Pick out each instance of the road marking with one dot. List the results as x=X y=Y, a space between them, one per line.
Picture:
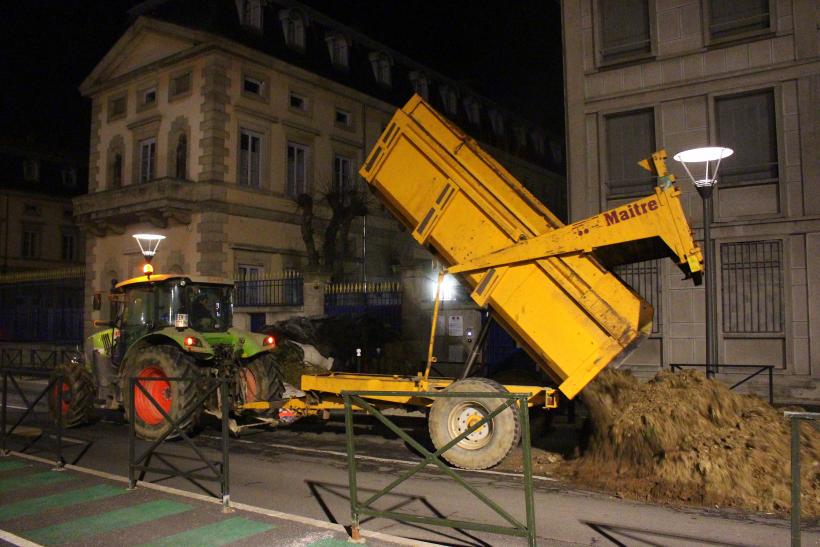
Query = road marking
x=32 y=480
x=236 y=505
x=85 y=527
x=17 y=540
x=385 y=460
x=73 y=497
x=11 y=465
x=216 y=534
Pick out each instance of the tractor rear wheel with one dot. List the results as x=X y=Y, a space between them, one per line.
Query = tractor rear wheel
x=261 y=380
x=77 y=397
x=176 y=398
x=489 y=444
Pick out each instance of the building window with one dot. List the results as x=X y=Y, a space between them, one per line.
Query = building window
x=421 y=85
x=746 y=124
x=449 y=98
x=31 y=210
x=342 y=181
x=520 y=133
x=496 y=122
x=537 y=138
x=30 y=244
x=645 y=278
x=630 y=137
x=297 y=102
x=473 y=109
x=181 y=158
x=297 y=169
x=31 y=170
x=343 y=118
x=147 y=97
x=249 y=285
x=293 y=28
x=339 y=49
x=148 y=159
x=116 y=107
x=731 y=18
x=69 y=177
x=180 y=85
x=68 y=247
x=250 y=158
x=253 y=86
x=624 y=30
x=251 y=15
x=381 y=63
x=752 y=287
x=116 y=171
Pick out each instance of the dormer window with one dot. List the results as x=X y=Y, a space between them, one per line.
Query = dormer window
x=449 y=98
x=251 y=14
x=31 y=170
x=382 y=64
x=473 y=109
x=497 y=122
x=293 y=28
x=421 y=85
x=537 y=138
x=520 y=133
x=339 y=49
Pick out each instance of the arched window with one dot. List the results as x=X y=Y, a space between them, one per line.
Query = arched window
x=293 y=28
x=181 y=156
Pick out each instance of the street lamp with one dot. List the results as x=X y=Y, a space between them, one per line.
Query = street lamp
x=710 y=158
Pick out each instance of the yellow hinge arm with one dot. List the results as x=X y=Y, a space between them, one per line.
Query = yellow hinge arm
x=659 y=215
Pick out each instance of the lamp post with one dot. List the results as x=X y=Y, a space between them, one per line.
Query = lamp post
x=710 y=158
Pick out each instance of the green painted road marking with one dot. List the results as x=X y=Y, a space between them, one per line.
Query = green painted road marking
x=35 y=479
x=213 y=535
x=37 y=505
x=105 y=522
x=329 y=542
x=11 y=465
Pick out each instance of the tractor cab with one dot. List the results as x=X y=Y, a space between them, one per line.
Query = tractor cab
x=152 y=303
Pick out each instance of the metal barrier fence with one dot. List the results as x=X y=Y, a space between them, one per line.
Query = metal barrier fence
x=795 y=418
x=219 y=470
x=381 y=300
x=54 y=380
x=284 y=291
x=759 y=369
x=358 y=508
x=37 y=359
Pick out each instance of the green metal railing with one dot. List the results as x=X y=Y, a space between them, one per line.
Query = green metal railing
x=508 y=400
x=795 y=418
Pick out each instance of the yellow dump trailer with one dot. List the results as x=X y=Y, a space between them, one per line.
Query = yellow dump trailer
x=539 y=277
x=547 y=283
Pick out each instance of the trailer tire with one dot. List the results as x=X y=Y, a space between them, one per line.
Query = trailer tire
x=175 y=397
x=78 y=395
x=485 y=447
x=261 y=379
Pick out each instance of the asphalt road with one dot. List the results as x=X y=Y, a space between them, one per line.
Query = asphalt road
x=302 y=470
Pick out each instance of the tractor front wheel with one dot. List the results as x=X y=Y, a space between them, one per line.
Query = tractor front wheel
x=175 y=397
x=487 y=445
x=77 y=395
x=261 y=380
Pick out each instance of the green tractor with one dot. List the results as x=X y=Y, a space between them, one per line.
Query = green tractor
x=162 y=327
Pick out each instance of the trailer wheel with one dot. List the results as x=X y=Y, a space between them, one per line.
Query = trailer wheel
x=176 y=398
x=261 y=380
x=487 y=446
x=78 y=395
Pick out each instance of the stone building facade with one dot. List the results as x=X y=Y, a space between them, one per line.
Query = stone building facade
x=679 y=74
x=210 y=119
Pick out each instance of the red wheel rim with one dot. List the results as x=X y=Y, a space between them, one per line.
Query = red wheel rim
x=66 y=397
x=160 y=390
x=251 y=387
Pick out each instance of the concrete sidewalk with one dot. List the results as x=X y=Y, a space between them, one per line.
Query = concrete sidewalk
x=76 y=506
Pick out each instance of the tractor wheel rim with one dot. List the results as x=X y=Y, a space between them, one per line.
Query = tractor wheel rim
x=160 y=390
x=465 y=415
x=66 y=401
x=251 y=387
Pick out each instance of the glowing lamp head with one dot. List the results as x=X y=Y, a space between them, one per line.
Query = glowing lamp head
x=148 y=269
x=270 y=341
x=148 y=244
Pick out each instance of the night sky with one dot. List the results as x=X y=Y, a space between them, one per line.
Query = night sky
x=509 y=51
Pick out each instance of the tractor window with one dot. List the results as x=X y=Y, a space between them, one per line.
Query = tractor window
x=210 y=308
x=139 y=307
